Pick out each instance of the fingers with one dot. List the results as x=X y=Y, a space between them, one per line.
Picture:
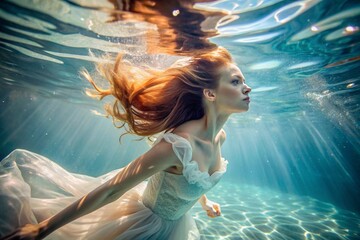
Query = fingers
x=213 y=213
x=212 y=209
x=210 y=213
x=217 y=209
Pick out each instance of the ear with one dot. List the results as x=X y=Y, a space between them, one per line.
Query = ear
x=209 y=94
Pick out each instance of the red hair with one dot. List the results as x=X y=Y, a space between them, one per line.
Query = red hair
x=150 y=101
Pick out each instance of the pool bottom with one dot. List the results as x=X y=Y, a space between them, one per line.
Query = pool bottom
x=253 y=213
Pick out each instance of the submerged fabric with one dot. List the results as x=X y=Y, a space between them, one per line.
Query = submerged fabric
x=33 y=188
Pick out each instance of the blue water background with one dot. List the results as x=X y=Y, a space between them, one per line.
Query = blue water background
x=301 y=135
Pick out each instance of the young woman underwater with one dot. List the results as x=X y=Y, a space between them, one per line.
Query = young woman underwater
x=188 y=104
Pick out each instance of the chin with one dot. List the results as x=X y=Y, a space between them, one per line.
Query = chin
x=240 y=110
x=244 y=110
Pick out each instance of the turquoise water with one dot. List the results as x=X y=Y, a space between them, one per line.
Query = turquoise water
x=293 y=158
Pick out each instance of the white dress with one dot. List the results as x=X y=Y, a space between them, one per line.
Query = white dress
x=33 y=188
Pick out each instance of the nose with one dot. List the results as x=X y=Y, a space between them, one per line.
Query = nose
x=247 y=89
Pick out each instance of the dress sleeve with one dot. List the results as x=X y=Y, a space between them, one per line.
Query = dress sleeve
x=183 y=150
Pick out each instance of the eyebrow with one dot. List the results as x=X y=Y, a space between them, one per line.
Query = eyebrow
x=240 y=77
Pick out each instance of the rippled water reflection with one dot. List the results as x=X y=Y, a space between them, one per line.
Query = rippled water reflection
x=262 y=214
x=301 y=135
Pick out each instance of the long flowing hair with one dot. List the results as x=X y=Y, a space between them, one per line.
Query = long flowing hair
x=149 y=101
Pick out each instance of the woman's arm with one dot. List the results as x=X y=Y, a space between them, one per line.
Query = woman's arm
x=212 y=208
x=202 y=200
x=158 y=158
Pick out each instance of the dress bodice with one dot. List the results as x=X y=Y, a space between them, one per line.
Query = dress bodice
x=171 y=195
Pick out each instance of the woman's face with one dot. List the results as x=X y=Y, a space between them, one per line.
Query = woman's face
x=232 y=92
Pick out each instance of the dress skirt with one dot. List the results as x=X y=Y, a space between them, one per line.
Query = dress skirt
x=33 y=188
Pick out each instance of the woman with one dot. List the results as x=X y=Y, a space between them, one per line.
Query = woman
x=189 y=102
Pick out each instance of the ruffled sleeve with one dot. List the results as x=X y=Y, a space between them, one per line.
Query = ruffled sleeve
x=183 y=150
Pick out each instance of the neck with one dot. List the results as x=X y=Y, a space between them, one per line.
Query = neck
x=212 y=123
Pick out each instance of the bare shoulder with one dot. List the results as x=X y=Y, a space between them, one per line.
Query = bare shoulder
x=222 y=136
x=185 y=131
x=183 y=134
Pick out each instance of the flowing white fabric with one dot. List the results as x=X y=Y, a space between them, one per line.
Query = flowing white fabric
x=33 y=188
x=191 y=172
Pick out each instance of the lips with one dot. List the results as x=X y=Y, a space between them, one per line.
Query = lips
x=247 y=99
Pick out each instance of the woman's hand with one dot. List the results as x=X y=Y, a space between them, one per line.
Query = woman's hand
x=212 y=208
x=27 y=232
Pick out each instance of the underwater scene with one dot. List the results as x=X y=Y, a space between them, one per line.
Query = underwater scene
x=293 y=158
